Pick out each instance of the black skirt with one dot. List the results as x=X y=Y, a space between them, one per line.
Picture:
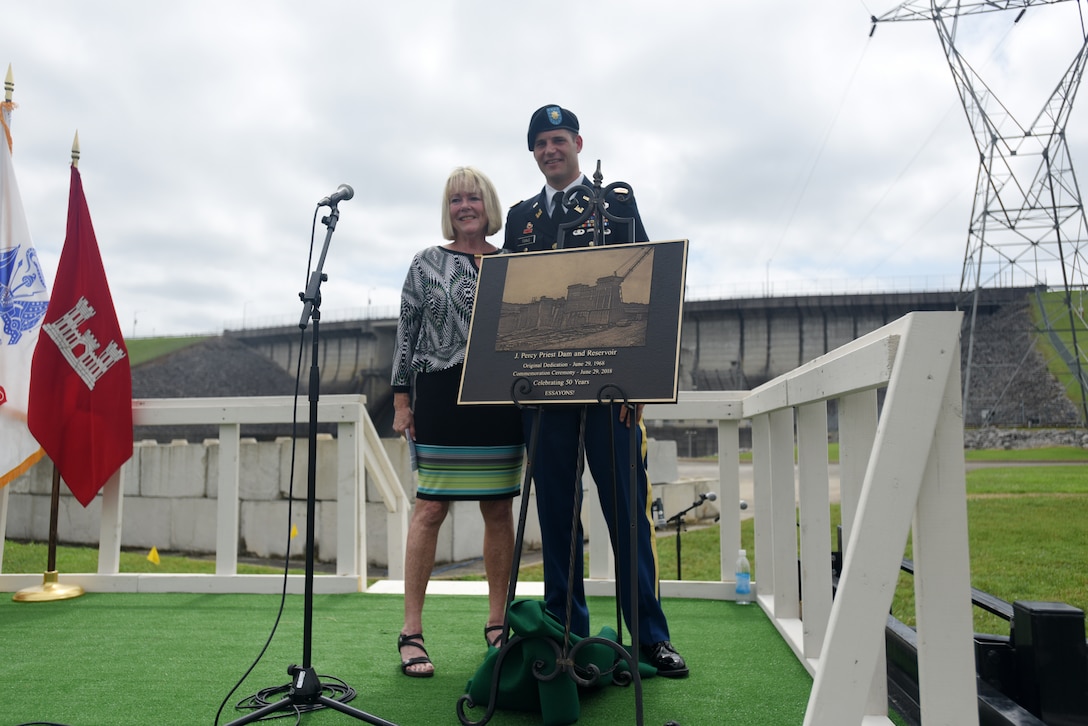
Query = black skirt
x=464 y=452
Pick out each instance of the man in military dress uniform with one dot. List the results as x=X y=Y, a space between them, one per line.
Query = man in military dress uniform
x=533 y=225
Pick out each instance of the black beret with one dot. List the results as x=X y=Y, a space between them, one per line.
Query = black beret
x=551 y=117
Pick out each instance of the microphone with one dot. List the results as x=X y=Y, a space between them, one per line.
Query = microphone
x=707 y=497
x=342 y=194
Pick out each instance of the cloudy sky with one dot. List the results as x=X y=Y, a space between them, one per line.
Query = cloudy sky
x=793 y=150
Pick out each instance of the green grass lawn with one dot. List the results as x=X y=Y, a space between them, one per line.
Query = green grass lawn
x=1027 y=529
x=31 y=557
x=1021 y=519
x=1009 y=534
x=1047 y=453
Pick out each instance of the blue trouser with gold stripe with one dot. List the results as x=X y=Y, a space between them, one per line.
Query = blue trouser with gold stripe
x=554 y=472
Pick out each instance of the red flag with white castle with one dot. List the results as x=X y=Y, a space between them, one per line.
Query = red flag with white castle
x=80 y=381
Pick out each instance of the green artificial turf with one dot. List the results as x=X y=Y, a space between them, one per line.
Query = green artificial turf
x=143 y=658
x=117 y=659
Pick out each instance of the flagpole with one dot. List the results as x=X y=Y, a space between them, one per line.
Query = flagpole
x=51 y=590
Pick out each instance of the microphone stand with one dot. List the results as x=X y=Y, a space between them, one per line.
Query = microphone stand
x=306 y=689
x=679 y=519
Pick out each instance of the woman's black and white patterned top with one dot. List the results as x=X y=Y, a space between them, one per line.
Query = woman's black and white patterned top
x=435 y=312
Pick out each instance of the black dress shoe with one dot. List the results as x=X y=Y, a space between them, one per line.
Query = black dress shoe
x=665 y=658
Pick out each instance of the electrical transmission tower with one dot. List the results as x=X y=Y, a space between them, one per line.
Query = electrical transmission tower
x=1028 y=224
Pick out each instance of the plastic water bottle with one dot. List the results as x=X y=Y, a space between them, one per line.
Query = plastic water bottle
x=744 y=579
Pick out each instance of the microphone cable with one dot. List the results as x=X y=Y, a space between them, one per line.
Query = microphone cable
x=340 y=689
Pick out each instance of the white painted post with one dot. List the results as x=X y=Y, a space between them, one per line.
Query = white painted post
x=815 y=502
x=889 y=496
x=350 y=518
x=729 y=497
x=787 y=594
x=857 y=430
x=602 y=561
x=942 y=573
x=226 y=537
x=109 y=543
x=761 y=487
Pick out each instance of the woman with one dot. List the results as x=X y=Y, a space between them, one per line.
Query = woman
x=463 y=452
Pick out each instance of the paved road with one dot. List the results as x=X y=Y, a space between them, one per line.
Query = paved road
x=699 y=469
x=694 y=469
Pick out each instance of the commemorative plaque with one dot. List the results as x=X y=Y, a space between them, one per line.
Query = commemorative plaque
x=577 y=325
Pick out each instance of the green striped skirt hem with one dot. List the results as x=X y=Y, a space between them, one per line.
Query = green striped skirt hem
x=468 y=472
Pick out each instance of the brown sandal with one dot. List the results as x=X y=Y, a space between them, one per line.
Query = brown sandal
x=416 y=641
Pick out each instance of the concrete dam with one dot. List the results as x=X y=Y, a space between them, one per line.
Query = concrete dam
x=738 y=344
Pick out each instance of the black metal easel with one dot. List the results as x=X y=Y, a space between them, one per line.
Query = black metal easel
x=306 y=690
x=589 y=203
x=566 y=653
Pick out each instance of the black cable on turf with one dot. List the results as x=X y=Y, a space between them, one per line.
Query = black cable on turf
x=287 y=549
x=339 y=690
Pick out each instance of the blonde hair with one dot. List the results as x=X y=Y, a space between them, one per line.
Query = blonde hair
x=470 y=179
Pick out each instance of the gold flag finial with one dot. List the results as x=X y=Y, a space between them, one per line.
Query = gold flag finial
x=75 y=150
x=9 y=84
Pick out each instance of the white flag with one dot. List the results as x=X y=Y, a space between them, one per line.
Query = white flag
x=23 y=300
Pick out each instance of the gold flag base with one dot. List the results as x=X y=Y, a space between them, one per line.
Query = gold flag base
x=48 y=591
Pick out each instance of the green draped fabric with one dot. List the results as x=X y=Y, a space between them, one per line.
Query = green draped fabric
x=520 y=690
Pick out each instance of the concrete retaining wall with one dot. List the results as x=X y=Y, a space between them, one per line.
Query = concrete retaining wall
x=170 y=502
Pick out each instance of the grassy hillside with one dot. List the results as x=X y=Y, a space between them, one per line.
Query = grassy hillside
x=1051 y=306
x=141 y=350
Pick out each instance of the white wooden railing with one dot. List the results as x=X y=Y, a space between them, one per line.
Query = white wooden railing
x=901 y=472
x=359 y=453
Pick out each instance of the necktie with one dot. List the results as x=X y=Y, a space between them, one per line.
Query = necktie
x=555 y=203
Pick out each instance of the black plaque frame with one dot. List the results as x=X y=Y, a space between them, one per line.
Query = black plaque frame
x=567 y=323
